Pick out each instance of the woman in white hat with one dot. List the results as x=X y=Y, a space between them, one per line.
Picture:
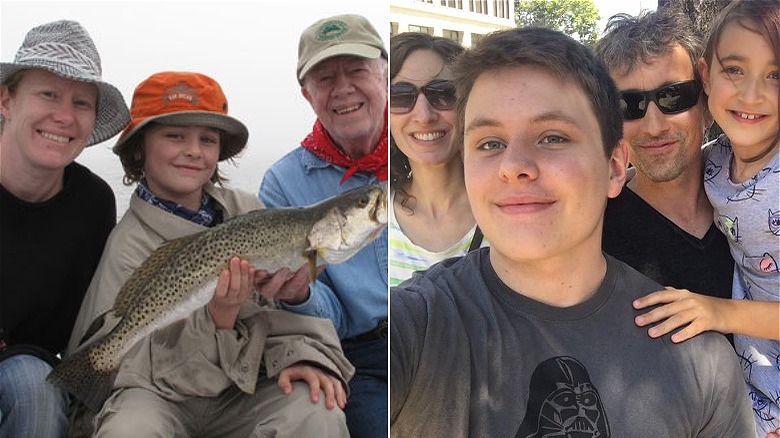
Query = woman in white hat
x=55 y=215
x=180 y=131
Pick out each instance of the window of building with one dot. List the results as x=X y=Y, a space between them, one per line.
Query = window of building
x=421 y=29
x=479 y=6
x=393 y=28
x=453 y=35
x=475 y=38
x=501 y=8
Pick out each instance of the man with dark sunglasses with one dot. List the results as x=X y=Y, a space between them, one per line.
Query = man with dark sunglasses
x=661 y=223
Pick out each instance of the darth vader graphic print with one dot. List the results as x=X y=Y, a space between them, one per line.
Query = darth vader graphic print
x=563 y=403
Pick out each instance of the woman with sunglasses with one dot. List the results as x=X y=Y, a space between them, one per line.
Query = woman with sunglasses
x=426 y=170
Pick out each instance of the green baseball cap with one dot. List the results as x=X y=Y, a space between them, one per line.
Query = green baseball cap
x=347 y=34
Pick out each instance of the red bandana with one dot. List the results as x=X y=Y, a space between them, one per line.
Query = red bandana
x=320 y=144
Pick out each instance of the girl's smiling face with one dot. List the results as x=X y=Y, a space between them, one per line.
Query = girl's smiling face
x=742 y=85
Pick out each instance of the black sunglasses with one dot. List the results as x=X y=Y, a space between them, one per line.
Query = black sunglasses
x=670 y=99
x=440 y=94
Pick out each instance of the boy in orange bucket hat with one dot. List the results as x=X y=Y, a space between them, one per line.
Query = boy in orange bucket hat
x=210 y=383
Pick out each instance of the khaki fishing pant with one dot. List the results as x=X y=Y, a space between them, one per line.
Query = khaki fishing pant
x=136 y=412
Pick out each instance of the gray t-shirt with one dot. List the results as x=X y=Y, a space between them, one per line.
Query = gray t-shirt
x=471 y=357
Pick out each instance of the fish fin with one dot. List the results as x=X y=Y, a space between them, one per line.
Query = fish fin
x=170 y=335
x=321 y=233
x=311 y=256
x=76 y=375
x=93 y=328
x=129 y=291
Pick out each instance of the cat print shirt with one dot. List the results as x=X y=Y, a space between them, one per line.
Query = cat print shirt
x=748 y=213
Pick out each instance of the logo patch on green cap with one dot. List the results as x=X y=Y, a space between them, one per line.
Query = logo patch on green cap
x=332 y=29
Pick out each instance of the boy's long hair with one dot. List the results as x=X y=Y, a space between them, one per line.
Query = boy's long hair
x=133 y=157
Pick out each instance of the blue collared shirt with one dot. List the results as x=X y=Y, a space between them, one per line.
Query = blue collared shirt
x=352 y=294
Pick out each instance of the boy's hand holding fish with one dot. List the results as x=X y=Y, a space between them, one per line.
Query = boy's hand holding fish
x=234 y=286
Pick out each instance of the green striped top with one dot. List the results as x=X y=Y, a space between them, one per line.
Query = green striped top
x=404 y=257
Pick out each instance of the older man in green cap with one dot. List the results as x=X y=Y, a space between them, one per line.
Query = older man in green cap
x=342 y=70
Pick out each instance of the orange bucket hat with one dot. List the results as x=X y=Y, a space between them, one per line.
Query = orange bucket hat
x=186 y=99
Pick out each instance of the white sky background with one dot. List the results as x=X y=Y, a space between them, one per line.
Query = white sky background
x=250 y=47
x=608 y=8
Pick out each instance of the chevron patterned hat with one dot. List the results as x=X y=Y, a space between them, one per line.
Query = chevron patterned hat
x=66 y=49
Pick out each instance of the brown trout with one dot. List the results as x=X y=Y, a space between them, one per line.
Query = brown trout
x=181 y=276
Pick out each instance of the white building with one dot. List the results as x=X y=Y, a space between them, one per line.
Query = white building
x=464 y=21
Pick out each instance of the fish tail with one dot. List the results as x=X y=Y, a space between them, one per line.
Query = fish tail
x=78 y=376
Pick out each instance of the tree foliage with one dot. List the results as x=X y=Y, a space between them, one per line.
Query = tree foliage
x=701 y=12
x=576 y=18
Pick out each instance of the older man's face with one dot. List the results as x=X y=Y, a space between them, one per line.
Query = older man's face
x=349 y=96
